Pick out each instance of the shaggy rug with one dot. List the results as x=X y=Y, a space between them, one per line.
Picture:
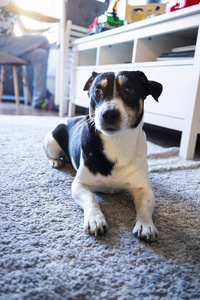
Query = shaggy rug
x=44 y=252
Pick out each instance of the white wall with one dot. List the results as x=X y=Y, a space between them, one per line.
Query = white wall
x=48 y=7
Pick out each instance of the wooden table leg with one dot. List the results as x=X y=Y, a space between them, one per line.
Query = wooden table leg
x=16 y=88
x=2 y=81
x=26 y=84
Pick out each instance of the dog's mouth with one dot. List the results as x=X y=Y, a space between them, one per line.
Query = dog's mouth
x=110 y=129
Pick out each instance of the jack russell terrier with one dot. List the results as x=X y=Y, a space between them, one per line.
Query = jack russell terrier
x=108 y=148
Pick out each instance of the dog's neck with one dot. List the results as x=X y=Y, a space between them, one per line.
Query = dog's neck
x=125 y=146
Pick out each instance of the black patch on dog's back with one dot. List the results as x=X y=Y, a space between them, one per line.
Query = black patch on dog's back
x=93 y=156
x=69 y=138
x=75 y=128
x=60 y=134
x=80 y=133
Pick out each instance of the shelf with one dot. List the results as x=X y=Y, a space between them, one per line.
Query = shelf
x=87 y=57
x=120 y=53
x=152 y=64
x=105 y=68
x=136 y=47
x=150 y=48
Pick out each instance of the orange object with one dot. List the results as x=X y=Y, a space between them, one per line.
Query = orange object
x=114 y=6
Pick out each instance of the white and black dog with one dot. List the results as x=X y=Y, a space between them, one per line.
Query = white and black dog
x=108 y=148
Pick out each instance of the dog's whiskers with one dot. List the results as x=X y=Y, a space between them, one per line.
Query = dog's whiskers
x=118 y=141
x=90 y=121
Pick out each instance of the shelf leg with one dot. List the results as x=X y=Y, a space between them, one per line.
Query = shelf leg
x=71 y=109
x=191 y=128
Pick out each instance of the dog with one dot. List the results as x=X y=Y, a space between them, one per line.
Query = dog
x=108 y=148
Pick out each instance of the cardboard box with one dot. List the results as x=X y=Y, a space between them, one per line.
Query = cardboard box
x=141 y=12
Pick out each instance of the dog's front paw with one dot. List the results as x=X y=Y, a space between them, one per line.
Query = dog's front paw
x=56 y=164
x=95 y=223
x=145 y=231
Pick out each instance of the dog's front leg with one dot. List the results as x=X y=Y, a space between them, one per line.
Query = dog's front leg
x=143 y=226
x=94 y=220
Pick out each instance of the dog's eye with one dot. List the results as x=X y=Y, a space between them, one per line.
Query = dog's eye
x=98 y=90
x=129 y=90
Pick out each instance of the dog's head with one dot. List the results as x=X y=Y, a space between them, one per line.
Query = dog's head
x=117 y=100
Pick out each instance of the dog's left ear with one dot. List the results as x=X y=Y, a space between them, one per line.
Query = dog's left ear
x=89 y=82
x=153 y=88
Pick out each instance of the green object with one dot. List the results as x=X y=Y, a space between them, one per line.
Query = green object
x=111 y=21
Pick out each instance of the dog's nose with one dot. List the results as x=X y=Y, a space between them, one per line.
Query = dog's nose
x=111 y=116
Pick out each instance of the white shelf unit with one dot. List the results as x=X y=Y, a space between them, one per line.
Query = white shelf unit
x=136 y=47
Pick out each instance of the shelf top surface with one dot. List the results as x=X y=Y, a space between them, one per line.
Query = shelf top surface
x=182 y=13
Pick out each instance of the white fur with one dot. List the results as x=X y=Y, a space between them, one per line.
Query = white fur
x=52 y=151
x=128 y=149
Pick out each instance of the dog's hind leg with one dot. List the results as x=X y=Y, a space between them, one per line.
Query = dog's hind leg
x=54 y=152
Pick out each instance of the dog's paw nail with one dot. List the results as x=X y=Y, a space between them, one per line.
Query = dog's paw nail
x=88 y=230
x=105 y=229
x=133 y=225
x=57 y=164
x=95 y=225
x=144 y=231
x=156 y=235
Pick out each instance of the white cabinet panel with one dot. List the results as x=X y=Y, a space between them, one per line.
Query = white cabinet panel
x=176 y=90
x=79 y=96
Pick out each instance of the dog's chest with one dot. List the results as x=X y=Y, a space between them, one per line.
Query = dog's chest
x=126 y=153
x=116 y=182
x=123 y=149
x=119 y=151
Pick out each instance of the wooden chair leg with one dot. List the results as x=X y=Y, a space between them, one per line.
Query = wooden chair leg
x=2 y=81
x=16 y=88
x=25 y=82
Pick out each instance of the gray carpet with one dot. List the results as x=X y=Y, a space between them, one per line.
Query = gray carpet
x=44 y=252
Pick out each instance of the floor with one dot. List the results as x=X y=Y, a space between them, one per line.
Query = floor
x=157 y=135
x=10 y=108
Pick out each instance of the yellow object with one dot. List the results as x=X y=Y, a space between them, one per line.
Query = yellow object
x=141 y=12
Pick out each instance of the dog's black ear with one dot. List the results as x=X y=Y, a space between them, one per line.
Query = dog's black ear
x=89 y=82
x=153 y=88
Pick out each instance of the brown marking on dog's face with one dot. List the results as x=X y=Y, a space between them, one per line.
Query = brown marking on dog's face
x=121 y=79
x=104 y=83
x=133 y=115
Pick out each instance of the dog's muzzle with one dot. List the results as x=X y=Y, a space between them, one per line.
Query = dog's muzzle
x=110 y=120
